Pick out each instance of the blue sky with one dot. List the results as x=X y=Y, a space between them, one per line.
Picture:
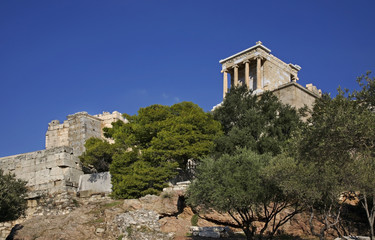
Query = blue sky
x=62 y=57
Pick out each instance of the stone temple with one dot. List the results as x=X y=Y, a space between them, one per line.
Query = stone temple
x=259 y=70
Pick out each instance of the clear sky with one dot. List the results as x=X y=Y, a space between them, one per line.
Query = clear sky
x=61 y=57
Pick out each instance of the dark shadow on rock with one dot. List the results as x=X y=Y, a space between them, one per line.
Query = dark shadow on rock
x=14 y=231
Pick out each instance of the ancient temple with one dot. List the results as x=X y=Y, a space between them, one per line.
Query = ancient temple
x=260 y=71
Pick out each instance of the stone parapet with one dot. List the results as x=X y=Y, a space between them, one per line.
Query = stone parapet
x=79 y=127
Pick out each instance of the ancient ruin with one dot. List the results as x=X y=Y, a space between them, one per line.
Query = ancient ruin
x=259 y=70
x=58 y=168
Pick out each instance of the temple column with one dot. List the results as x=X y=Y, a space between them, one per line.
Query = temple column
x=247 y=73
x=235 y=75
x=225 y=83
x=259 y=74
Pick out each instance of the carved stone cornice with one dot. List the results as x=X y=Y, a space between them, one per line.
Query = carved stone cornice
x=247 y=56
x=258 y=52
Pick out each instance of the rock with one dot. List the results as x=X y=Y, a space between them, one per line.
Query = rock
x=7 y=224
x=99 y=230
x=212 y=232
x=209 y=234
x=140 y=224
x=353 y=238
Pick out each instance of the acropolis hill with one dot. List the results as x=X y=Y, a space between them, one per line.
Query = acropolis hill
x=57 y=168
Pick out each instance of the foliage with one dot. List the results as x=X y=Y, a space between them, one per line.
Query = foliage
x=262 y=124
x=98 y=155
x=194 y=220
x=366 y=95
x=245 y=186
x=177 y=133
x=133 y=177
x=339 y=144
x=12 y=197
x=154 y=143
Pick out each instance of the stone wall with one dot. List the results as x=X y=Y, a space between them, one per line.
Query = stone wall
x=78 y=128
x=57 y=168
x=82 y=126
x=50 y=170
x=295 y=95
x=274 y=76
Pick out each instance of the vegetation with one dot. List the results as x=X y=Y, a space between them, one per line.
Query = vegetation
x=339 y=145
x=243 y=185
x=12 y=197
x=194 y=220
x=268 y=158
x=98 y=155
x=261 y=124
x=255 y=156
x=148 y=150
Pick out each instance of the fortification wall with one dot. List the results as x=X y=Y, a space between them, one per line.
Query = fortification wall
x=57 y=168
x=51 y=170
x=57 y=134
x=82 y=126
x=78 y=128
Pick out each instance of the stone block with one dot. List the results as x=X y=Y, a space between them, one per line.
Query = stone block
x=96 y=182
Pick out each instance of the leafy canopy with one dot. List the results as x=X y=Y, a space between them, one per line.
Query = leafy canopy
x=98 y=155
x=12 y=197
x=147 y=150
x=338 y=144
x=261 y=123
x=248 y=186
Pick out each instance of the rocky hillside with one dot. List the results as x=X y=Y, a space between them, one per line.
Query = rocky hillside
x=152 y=217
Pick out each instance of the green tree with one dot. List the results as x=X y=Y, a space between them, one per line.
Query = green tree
x=98 y=155
x=262 y=124
x=339 y=143
x=134 y=177
x=248 y=187
x=12 y=197
x=364 y=153
x=367 y=93
x=154 y=143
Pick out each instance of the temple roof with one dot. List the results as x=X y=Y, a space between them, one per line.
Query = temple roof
x=258 y=45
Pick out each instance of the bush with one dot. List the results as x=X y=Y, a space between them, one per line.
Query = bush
x=12 y=197
x=194 y=220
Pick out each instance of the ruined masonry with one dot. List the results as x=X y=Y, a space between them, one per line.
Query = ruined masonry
x=57 y=168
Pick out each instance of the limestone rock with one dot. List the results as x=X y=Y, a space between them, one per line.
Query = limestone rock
x=141 y=225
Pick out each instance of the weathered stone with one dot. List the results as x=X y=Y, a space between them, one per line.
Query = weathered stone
x=99 y=230
x=212 y=232
x=353 y=238
x=94 y=183
x=7 y=224
x=57 y=168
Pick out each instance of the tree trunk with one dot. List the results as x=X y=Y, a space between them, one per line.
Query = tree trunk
x=249 y=233
x=370 y=214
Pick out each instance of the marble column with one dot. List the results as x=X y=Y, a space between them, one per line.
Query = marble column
x=235 y=76
x=259 y=74
x=225 y=83
x=247 y=73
